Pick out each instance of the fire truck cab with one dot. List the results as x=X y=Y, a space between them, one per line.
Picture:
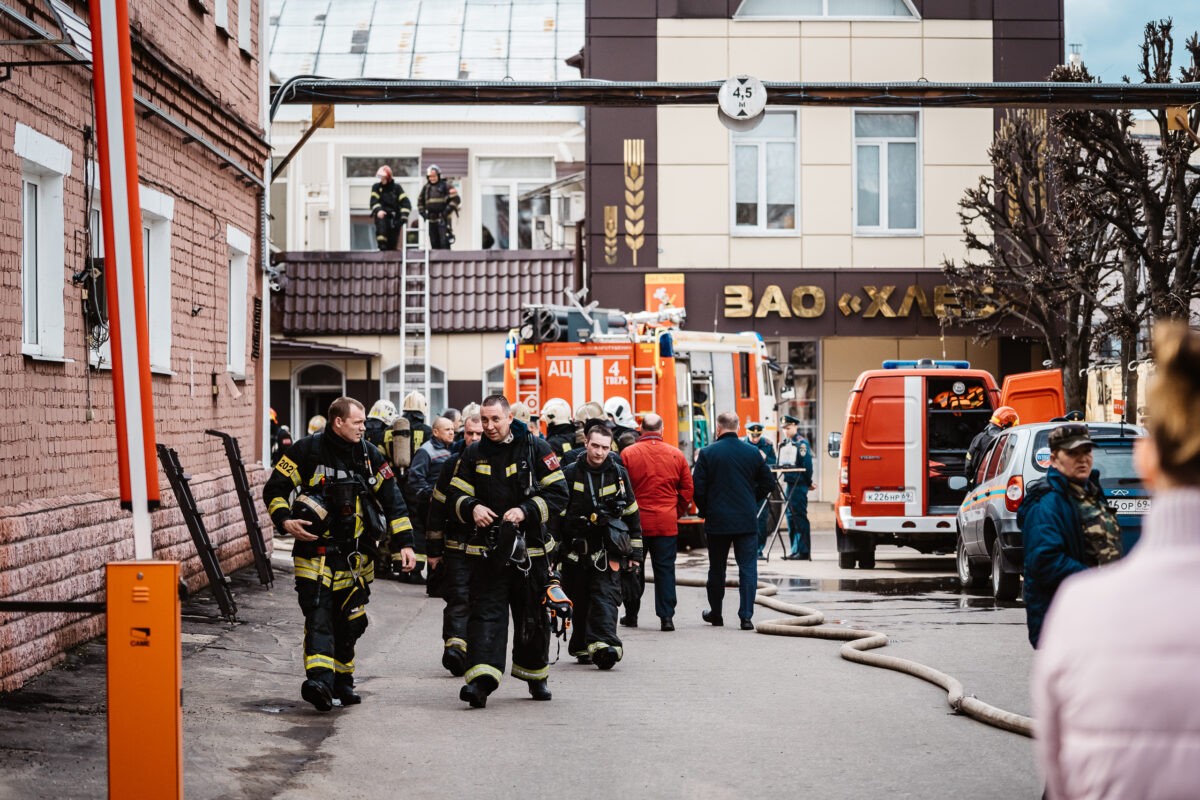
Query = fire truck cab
x=902 y=450
x=687 y=377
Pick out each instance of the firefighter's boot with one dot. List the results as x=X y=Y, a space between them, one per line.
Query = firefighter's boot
x=538 y=690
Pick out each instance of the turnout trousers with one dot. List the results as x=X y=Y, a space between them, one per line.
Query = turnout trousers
x=596 y=594
x=333 y=591
x=457 y=597
x=496 y=590
x=633 y=586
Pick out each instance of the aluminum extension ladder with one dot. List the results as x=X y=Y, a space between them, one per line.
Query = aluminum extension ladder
x=414 y=322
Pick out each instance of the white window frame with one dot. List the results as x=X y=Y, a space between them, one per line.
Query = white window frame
x=45 y=164
x=761 y=228
x=239 y=266
x=158 y=212
x=881 y=142
x=438 y=382
x=221 y=14
x=487 y=387
x=738 y=16
x=513 y=187
x=245 y=28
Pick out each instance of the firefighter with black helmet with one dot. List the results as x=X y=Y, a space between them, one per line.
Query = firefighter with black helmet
x=346 y=499
x=601 y=537
x=508 y=486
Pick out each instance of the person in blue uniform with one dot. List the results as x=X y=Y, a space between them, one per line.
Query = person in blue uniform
x=754 y=431
x=796 y=454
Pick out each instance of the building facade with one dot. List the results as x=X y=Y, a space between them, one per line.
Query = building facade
x=823 y=229
x=201 y=134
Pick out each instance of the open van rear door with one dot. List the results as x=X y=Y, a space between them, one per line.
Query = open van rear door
x=1036 y=396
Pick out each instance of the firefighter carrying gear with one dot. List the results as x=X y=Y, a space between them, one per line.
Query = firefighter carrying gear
x=559 y=606
x=518 y=472
x=601 y=534
x=354 y=483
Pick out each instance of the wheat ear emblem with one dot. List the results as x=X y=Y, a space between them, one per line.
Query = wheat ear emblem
x=610 y=235
x=635 y=195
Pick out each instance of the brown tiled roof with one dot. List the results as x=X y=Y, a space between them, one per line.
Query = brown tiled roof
x=357 y=292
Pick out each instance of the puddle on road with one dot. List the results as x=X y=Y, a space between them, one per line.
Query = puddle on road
x=940 y=589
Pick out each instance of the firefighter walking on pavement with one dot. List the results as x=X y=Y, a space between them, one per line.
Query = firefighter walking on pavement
x=508 y=486
x=446 y=544
x=346 y=499
x=601 y=538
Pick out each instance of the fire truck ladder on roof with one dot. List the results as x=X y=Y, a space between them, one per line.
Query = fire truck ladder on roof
x=414 y=322
x=645 y=383
x=529 y=384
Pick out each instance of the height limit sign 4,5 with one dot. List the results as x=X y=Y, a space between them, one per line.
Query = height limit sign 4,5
x=741 y=101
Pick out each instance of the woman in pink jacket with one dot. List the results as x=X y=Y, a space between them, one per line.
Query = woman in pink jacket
x=1116 y=682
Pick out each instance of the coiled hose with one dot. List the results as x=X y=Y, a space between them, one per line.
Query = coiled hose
x=804 y=622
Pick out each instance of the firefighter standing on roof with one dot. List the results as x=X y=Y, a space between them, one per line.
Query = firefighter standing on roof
x=347 y=498
x=446 y=542
x=601 y=538
x=390 y=208
x=509 y=486
x=436 y=202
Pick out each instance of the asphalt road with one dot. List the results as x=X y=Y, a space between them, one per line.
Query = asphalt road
x=699 y=713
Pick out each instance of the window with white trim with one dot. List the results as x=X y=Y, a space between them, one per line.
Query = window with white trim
x=360 y=177
x=244 y=24
x=44 y=165
x=509 y=221
x=493 y=380
x=221 y=14
x=239 y=263
x=765 y=176
x=887 y=172
x=394 y=391
x=826 y=9
x=158 y=210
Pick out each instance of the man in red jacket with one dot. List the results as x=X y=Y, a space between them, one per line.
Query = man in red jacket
x=662 y=484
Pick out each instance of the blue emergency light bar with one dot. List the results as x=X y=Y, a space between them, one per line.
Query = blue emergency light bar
x=926 y=363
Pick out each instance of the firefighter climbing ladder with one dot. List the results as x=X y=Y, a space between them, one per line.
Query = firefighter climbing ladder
x=193 y=516
x=414 y=321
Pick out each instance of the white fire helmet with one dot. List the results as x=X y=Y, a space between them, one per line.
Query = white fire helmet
x=618 y=409
x=415 y=401
x=520 y=411
x=590 y=410
x=383 y=410
x=556 y=411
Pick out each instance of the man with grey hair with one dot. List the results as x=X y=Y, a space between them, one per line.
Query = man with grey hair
x=731 y=480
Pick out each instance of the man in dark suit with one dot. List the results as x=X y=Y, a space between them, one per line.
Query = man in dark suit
x=731 y=479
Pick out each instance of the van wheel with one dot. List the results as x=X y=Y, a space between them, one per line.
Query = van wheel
x=970 y=576
x=846 y=560
x=1004 y=584
x=866 y=560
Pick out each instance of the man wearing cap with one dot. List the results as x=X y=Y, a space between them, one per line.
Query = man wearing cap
x=754 y=437
x=1065 y=521
x=796 y=455
x=390 y=208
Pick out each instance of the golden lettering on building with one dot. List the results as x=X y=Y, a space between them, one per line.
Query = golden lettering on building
x=945 y=302
x=879 y=298
x=914 y=294
x=739 y=302
x=772 y=300
x=816 y=306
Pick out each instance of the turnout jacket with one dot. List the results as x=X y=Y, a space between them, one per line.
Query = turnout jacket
x=443 y=530
x=522 y=472
x=436 y=200
x=322 y=463
x=391 y=198
x=599 y=493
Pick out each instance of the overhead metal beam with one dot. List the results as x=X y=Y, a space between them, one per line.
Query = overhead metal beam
x=311 y=89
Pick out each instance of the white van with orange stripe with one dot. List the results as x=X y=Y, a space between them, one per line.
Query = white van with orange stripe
x=902 y=450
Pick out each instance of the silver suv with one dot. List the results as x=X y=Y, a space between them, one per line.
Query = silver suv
x=990 y=543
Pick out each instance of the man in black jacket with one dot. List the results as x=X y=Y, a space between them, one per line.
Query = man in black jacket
x=602 y=539
x=390 y=208
x=509 y=485
x=731 y=480
x=347 y=498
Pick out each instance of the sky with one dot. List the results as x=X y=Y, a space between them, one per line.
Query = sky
x=1110 y=32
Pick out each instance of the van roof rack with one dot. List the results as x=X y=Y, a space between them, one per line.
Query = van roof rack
x=926 y=363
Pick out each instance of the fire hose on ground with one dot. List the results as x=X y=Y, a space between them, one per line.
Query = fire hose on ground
x=805 y=621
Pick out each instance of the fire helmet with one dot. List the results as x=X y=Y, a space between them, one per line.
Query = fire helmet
x=415 y=401
x=588 y=411
x=310 y=508
x=384 y=411
x=556 y=411
x=521 y=411
x=1005 y=417
x=618 y=408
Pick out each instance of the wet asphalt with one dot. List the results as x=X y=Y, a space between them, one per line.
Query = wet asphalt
x=701 y=712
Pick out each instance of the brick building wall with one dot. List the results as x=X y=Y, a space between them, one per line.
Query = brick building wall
x=59 y=515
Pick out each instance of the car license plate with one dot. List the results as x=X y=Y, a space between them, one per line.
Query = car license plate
x=890 y=496
x=1129 y=505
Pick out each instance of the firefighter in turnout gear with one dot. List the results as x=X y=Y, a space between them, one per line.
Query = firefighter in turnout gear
x=560 y=427
x=379 y=433
x=446 y=547
x=390 y=208
x=601 y=538
x=508 y=486
x=347 y=500
x=409 y=435
x=436 y=202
